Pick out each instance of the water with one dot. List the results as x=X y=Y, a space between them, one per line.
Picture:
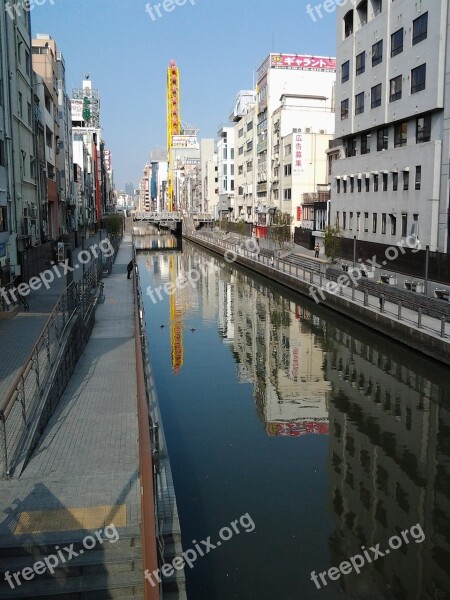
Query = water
x=326 y=435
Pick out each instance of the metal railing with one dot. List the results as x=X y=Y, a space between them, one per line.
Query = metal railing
x=18 y=409
x=435 y=309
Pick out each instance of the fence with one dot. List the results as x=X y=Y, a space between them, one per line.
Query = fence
x=20 y=407
x=434 y=308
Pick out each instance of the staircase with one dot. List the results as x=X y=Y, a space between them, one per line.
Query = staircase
x=108 y=571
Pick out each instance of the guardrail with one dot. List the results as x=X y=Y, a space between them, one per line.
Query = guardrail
x=433 y=308
x=148 y=449
x=20 y=405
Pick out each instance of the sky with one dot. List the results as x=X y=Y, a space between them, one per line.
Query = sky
x=217 y=45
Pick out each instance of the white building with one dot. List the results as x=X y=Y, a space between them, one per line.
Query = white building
x=225 y=172
x=244 y=117
x=393 y=115
x=295 y=94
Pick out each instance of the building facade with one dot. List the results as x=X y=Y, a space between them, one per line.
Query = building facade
x=225 y=172
x=392 y=116
x=244 y=118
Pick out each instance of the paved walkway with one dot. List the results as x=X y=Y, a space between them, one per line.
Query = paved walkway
x=19 y=334
x=87 y=457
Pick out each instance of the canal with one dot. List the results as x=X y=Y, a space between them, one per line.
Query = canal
x=319 y=437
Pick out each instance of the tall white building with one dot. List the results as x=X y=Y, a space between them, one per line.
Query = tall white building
x=295 y=95
x=244 y=118
x=393 y=117
x=225 y=165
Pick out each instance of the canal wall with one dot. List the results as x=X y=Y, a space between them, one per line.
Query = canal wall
x=423 y=341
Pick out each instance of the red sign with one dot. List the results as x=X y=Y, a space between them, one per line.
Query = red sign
x=299 y=213
x=297 y=429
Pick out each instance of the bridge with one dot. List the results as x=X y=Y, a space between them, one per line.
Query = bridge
x=172 y=220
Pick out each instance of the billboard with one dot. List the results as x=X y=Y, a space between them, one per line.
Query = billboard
x=303 y=63
x=185 y=141
x=77 y=110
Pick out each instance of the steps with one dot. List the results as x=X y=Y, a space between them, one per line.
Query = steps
x=108 y=571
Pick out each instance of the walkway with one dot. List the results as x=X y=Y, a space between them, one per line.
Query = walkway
x=84 y=473
x=19 y=334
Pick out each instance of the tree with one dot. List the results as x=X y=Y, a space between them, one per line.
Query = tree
x=114 y=224
x=280 y=231
x=332 y=242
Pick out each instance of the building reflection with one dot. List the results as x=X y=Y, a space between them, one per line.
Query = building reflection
x=389 y=468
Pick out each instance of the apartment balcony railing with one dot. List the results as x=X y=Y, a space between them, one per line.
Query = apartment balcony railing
x=316 y=197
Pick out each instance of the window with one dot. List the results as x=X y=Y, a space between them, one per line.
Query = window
x=362 y=12
x=415 y=226
x=350 y=221
x=249 y=146
x=418 y=180
x=225 y=153
x=385 y=182
x=352 y=184
x=406 y=180
x=27 y=63
x=337 y=218
x=2 y=154
x=287 y=149
x=393 y=224
x=358 y=219
x=288 y=194
x=241 y=170
x=3 y=219
x=400 y=134
x=345 y=74
x=374 y=222
x=394 y=182
x=350 y=149
x=383 y=223
x=232 y=154
x=344 y=220
x=344 y=186
x=376 y=7
x=20 y=105
x=367 y=184
x=418 y=77
x=382 y=138
x=338 y=186
x=344 y=109
x=250 y=165
x=395 y=89
x=348 y=24
x=375 y=183
x=365 y=143
x=241 y=150
x=359 y=103
x=359 y=184
x=241 y=132
x=376 y=96
x=377 y=53
x=29 y=114
x=360 y=63
x=420 y=29
x=288 y=170
x=397 y=42
x=423 y=129
x=366 y=222
x=249 y=125
x=404 y=225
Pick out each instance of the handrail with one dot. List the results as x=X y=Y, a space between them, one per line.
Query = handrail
x=149 y=547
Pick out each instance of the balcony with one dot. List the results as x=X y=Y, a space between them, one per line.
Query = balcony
x=315 y=197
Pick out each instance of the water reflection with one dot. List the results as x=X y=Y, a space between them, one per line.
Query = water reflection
x=382 y=410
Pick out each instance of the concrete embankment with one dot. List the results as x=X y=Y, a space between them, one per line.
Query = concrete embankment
x=426 y=339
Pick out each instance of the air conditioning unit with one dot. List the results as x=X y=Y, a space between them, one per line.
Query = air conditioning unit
x=308 y=130
x=322 y=131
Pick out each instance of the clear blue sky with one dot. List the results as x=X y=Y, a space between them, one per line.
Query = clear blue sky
x=217 y=45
